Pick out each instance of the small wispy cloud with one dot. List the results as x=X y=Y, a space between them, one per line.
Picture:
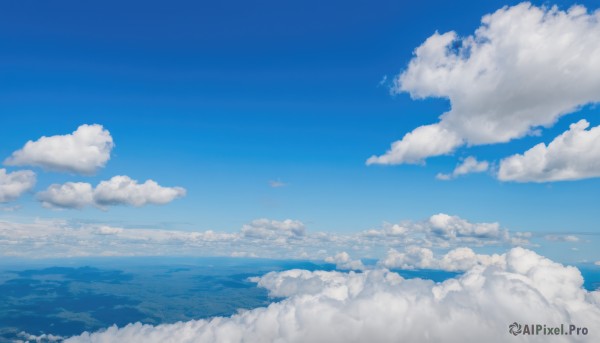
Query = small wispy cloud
x=10 y=208
x=469 y=165
x=562 y=238
x=277 y=183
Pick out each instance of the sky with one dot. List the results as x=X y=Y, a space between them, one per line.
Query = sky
x=274 y=118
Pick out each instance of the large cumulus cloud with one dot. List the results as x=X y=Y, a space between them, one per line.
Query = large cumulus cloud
x=573 y=155
x=84 y=151
x=118 y=190
x=523 y=68
x=459 y=259
x=381 y=306
x=13 y=185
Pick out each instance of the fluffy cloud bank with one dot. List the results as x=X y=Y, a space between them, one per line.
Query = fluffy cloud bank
x=468 y=166
x=119 y=190
x=55 y=238
x=60 y=239
x=523 y=68
x=460 y=259
x=84 y=151
x=12 y=185
x=285 y=239
x=443 y=230
x=381 y=306
x=573 y=155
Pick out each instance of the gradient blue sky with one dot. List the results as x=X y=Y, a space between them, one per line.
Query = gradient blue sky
x=222 y=97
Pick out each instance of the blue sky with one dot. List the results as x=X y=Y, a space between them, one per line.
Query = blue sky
x=221 y=98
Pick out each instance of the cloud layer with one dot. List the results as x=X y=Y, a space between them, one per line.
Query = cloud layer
x=523 y=68
x=12 y=185
x=285 y=239
x=562 y=238
x=443 y=230
x=381 y=306
x=119 y=190
x=273 y=229
x=573 y=155
x=84 y=151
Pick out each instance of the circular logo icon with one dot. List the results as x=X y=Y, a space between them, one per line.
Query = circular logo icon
x=514 y=328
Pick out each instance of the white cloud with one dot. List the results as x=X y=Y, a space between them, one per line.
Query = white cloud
x=273 y=229
x=597 y=263
x=343 y=261
x=68 y=195
x=109 y=230
x=285 y=239
x=40 y=338
x=443 y=230
x=468 y=165
x=523 y=68
x=383 y=81
x=573 y=155
x=277 y=184
x=13 y=185
x=520 y=238
x=415 y=146
x=562 y=238
x=459 y=259
x=122 y=190
x=454 y=226
x=119 y=190
x=381 y=306
x=84 y=151
x=243 y=254
x=413 y=257
x=9 y=208
x=56 y=238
